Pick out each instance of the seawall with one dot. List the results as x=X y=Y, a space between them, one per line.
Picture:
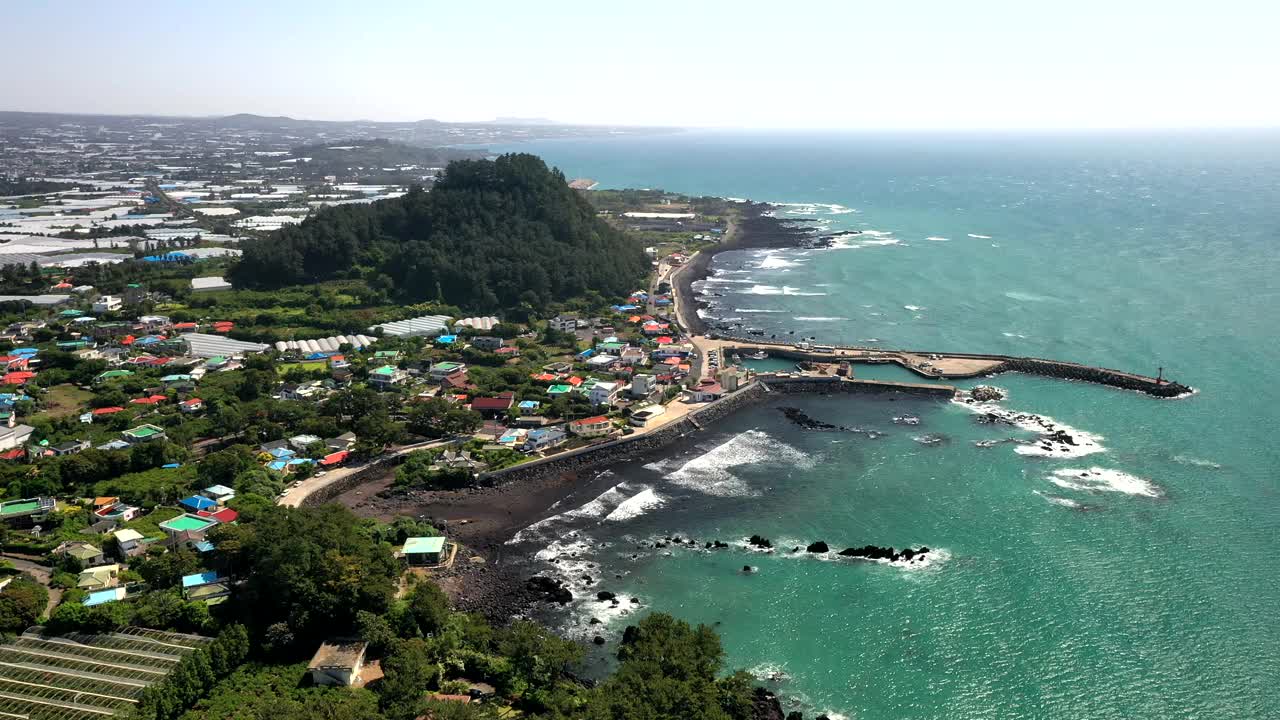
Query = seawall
x=832 y=384
x=624 y=448
x=372 y=471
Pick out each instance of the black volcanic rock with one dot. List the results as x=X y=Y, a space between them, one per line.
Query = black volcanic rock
x=817 y=547
x=550 y=589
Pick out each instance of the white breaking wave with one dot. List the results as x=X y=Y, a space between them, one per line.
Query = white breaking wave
x=1064 y=502
x=770 y=672
x=775 y=263
x=1047 y=445
x=980 y=237
x=912 y=308
x=1029 y=297
x=819 y=319
x=802 y=208
x=637 y=505
x=749 y=310
x=1014 y=335
x=620 y=502
x=709 y=473
x=935 y=238
x=1096 y=479
x=1196 y=462
x=784 y=290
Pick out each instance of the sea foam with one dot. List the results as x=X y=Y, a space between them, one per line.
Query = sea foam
x=710 y=473
x=1096 y=479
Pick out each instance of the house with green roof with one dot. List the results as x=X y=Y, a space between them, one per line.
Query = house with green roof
x=187 y=526
x=387 y=376
x=442 y=370
x=111 y=375
x=420 y=551
x=143 y=433
x=26 y=512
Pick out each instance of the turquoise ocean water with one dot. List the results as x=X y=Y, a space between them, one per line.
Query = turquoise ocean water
x=1146 y=589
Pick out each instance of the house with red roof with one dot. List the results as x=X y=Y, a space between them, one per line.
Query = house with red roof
x=104 y=411
x=149 y=400
x=18 y=378
x=706 y=391
x=191 y=405
x=335 y=458
x=596 y=426
x=224 y=516
x=494 y=406
x=10 y=363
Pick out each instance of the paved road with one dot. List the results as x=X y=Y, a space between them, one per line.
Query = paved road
x=42 y=574
x=296 y=495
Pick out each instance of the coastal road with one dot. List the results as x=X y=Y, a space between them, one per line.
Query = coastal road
x=295 y=496
x=41 y=573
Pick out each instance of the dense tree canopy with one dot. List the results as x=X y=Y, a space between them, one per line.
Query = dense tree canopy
x=491 y=234
x=308 y=572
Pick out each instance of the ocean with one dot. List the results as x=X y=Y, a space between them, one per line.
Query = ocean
x=1136 y=578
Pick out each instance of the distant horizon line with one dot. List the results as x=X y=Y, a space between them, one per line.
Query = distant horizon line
x=518 y=121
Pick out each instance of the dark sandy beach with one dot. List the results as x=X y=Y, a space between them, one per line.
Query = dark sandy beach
x=753 y=228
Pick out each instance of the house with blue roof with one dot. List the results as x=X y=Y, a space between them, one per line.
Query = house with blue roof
x=543 y=438
x=101 y=597
x=206 y=586
x=197 y=503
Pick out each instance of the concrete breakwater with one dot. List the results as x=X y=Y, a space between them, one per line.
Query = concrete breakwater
x=957 y=366
x=833 y=384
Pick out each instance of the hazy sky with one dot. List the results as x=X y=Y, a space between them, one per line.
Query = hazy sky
x=776 y=64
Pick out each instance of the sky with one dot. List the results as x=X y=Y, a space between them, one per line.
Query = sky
x=901 y=64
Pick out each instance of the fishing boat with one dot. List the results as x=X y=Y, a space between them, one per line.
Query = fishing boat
x=758 y=355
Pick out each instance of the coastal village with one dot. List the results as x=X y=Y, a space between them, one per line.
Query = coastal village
x=152 y=411
x=149 y=408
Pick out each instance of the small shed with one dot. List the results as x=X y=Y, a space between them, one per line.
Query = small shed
x=423 y=550
x=338 y=662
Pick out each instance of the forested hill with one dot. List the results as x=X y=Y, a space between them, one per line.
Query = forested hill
x=491 y=234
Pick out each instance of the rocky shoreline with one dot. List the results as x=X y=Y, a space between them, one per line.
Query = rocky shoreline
x=755 y=228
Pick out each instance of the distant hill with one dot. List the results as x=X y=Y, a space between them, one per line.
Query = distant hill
x=366 y=158
x=491 y=234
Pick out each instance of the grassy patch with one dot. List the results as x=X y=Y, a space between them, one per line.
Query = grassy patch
x=63 y=400
x=306 y=366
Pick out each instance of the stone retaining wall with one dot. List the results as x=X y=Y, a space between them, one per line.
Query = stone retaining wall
x=629 y=446
x=831 y=384
x=372 y=471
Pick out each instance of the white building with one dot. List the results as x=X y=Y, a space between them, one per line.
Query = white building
x=563 y=323
x=604 y=393
x=107 y=303
x=209 y=284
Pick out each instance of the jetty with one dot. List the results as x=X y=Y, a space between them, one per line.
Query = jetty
x=931 y=365
x=947 y=366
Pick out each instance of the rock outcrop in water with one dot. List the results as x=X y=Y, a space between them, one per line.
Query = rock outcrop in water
x=875 y=552
x=761 y=542
x=986 y=393
x=765 y=706
x=817 y=547
x=549 y=589
x=799 y=417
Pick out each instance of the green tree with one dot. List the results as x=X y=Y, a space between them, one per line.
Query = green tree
x=438 y=418
x=21 y=604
